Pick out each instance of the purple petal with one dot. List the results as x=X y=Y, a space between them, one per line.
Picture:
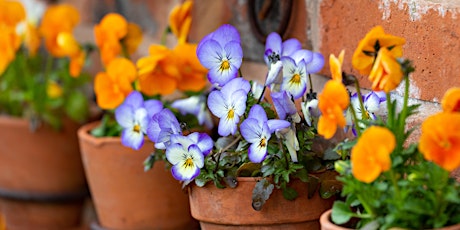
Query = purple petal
x=272 y=46
x=302 y=54
x=124 y=115
x=235 y=84
x=283 y=104
x=132 y=139
x=238 y=100
x=290 y=46
x=225 y=34
x=188 y=105
x=153 y=107
x=228 y=126
x=251 y=129
x=135 y=100
x=174 y=153
x=276 y=124
x=372 y=102
x=234 y=54
x=217 y=104
x=209 y=54
x=153 y=129
x=203 y=141
x=256 y=153
x=184 y=175
x=258 y=112
x=273 y=72
x=316 y=63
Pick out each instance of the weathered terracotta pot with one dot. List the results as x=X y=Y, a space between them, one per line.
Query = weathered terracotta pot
x=126 y=197
x=232 y=208
x=42 y=181
x=326 y=223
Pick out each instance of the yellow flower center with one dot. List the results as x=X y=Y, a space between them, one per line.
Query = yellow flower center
x=188 y=162
x=263 y=142
x=295 y=79
x=225 y=65
x=231 y=114
x=137 y=128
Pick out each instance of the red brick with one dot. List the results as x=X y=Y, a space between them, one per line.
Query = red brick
x=432 y=44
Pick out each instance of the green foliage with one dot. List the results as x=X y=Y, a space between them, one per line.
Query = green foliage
x=24 y=86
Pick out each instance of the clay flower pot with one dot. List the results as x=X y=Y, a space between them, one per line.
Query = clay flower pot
x=326 y=223
x=126 y=197
x=232 y=208
x=42 y=181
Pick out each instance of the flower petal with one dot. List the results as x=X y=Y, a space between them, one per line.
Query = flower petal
x=316 y=63
x=217 y=104
x=251 y=130
x=124 y=115
x=132 y=139
x=257 y=153
x=276 y=124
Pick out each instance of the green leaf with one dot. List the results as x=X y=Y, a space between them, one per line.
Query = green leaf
x=76 y=106
x=341 y=213
x=290 y=193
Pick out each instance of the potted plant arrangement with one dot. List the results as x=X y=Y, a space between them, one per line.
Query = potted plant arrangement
x=114 y=149
x=389 y=183
x=42 y=102
x=264 y=165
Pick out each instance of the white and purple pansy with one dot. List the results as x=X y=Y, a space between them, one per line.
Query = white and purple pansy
x=133 y=116
x=221 y=53
x=186 y=154
x=161 y=126
x=257 y=130
x=229 y=104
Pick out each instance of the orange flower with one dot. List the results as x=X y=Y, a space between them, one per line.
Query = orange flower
x=332 y=102
x=111 y=87
x=9 y=44
x=440 y=140
x=336 y=66
x=76 y=63
x=180 y=20
x=133 y=38
x=192 y=73
x=56 y=20
x=451 y=100
x=32 y=39
x=11 y=13
x=368 y=47
x=386 y=73
x=108 y=33
x=371 y=154
x=159 y=72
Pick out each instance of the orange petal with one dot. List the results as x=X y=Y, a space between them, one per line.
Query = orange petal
x=451 y=100
x=116 y=24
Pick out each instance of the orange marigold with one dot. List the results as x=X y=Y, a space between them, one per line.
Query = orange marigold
x=371 y=154
x=386 y=73
x=332 y=102
x=451 y=100
x=364 y=56
x=440 y=140
x=111 y=87
x=180 y=20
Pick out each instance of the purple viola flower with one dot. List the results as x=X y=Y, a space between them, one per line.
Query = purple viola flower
x=274 y=50
x=295 y=72
x=229 y=104
x=257 y=130
x=195 y=105
x=186 y=154
x=284 y=105
x=133 y=116
x=161 y=127
x=316 y=63
x=221 y=53
x=371 y=104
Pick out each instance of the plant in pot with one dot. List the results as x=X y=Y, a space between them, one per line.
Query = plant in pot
x=389 y=183
x=114 y=149
x=42 y=101
x=264 y=165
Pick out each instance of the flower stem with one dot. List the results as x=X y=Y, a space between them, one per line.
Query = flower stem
x=163 y=36
x=353 y=113
x=390 y=111
x=311 y=83
x=402 y=121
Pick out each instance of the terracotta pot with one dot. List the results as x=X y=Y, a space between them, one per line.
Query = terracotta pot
x=232 y=208
x=126 y=197
x=326 y=223
x=42 y=181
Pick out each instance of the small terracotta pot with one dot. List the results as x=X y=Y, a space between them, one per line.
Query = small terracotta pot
x=326 y=223
x=126 y=197
x=42 y=181
x=232 y=208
